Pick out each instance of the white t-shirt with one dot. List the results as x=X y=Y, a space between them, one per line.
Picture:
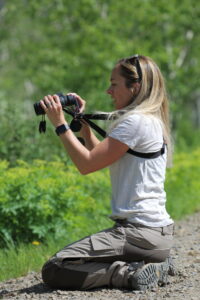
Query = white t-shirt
x=138 y=183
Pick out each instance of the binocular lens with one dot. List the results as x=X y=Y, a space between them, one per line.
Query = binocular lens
x=65 y=100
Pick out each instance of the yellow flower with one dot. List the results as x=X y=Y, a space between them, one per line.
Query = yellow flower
x=36 y=243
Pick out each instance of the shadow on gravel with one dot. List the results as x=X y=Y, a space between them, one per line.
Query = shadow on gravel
x=36 y=289
x=39 y=288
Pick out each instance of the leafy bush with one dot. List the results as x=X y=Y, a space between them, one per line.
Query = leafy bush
x=183 y=184
x=50 y=198
x=44 y=198
x=36 y=145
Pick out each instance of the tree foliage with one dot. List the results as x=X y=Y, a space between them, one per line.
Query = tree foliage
x=65 y=45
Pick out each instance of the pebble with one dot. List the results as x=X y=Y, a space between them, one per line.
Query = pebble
x=185 y=284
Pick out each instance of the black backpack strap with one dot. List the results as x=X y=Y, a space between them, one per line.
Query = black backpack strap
x=102 y=132
x=148 y=155
x=95 y=127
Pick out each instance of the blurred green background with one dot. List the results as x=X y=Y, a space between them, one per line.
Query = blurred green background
x=65 y=46
x=71 y=46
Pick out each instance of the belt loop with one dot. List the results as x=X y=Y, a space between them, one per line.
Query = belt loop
x=162 y=232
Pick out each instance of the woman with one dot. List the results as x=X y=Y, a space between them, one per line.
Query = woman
x=133 y=253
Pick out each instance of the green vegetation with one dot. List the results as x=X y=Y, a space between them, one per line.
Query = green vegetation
x=51 y=199
x=49 y=205
x=65 y=45
x=16 y=262
x=183 y=184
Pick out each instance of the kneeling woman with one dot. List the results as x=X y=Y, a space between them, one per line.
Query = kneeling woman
x=133 y=253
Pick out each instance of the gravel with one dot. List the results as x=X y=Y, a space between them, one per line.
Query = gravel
x=185 y=284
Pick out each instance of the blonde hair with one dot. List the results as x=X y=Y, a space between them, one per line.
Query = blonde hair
x=150 y=97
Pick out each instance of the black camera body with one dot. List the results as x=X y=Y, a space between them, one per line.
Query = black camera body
x=65 y=100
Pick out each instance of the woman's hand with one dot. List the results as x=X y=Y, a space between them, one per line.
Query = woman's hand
x=53 y=109
x=81 y=102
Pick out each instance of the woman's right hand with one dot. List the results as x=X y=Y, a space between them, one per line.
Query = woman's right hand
x=85 y=131
x=81 y=102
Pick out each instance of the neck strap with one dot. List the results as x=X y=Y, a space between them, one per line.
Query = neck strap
x=87 y=118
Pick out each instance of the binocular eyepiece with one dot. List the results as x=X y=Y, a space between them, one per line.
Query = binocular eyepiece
x=65 y=100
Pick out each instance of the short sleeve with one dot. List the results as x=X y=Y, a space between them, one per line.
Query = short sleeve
x=128 y=131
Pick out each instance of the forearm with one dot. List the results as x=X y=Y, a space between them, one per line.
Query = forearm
x=89 y=137
x=98 y=155
x=87 y=161
x=78 y=153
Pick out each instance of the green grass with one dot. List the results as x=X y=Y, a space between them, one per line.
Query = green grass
x=18 y=261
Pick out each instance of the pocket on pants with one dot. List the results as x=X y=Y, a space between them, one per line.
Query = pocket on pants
x=102 y=242
x=142 y=240
x=149 y=239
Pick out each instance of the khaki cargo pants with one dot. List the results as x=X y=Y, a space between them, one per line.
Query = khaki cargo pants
x=103 y=259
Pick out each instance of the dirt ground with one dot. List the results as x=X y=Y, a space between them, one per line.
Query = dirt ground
x=185 y=285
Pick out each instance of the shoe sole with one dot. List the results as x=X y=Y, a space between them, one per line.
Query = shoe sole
x=172 y=269
x=149 y=276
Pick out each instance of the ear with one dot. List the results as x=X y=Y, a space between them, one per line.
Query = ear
x=136 y=88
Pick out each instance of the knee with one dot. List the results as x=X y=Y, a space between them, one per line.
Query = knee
x=58 y=275
x=49 y=271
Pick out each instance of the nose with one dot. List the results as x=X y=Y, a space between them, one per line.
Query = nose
x=109 y=91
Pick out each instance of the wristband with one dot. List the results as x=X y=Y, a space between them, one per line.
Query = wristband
x=62 y=128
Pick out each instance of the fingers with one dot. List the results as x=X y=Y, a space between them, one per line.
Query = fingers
x=53 y=109
x=56 y=99
x=43 y=105
x=50 y=102
x=81 y=102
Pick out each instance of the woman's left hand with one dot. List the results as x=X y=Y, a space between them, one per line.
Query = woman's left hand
x=53 y=109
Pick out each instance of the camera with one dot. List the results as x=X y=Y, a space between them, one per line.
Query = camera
x=65 y=100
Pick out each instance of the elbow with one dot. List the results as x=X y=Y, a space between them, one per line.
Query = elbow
x=84 y=171
x=87 y=170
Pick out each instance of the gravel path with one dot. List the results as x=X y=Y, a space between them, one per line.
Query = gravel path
x=185 y=284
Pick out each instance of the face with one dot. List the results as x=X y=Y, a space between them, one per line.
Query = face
x=118 y=91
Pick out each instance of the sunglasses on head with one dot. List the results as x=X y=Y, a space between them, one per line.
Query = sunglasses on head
x=134 y=60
